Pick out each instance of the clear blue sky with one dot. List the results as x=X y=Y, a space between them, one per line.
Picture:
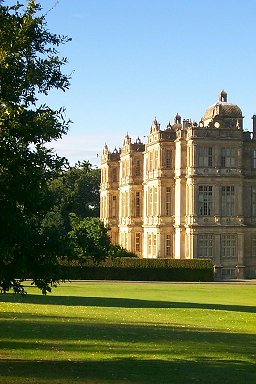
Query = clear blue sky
x=137 y=59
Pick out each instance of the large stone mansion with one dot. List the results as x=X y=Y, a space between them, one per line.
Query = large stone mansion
x=189 y=192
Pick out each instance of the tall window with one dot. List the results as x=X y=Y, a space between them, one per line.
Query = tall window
x=205 y=205
x=137 y=242
x=146 y=202
x=138 y=168
x=155 y=201
x=149 y=244
x=156 y=160
x=150 y=161
x=253 y=247
x=227 y=200
x=126 y=203
x=137 y=204
x=227 y=158
x=150 y=201
x=168 y=158
x=168 y=201
x=205 y=246
x=168 y=246
x=123 y=203
x=114 y=206
x=254 y=159
x=254 y=201
x=154 y=246
x=114 y=175
x=205 y=156
x=228 y=246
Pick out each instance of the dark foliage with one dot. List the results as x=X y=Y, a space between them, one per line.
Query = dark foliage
x=29 y=66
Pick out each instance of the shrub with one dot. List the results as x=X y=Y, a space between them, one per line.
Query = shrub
x=135 y=269
x=118 y=251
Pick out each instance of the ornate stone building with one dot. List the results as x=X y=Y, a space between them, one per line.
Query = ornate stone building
x=189 y=192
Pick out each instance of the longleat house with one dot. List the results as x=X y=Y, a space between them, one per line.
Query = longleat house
x=188 y=192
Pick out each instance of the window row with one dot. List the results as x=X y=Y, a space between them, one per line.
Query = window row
x=151 y=201
x=151 y=245
x=205 y=200
x=227 y=157
x=153 y=161
x=125 y=205
x=151 y=206
x=137 y=241
x=108 y=174
x=205 y=246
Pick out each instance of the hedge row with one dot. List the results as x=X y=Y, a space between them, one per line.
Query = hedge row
x=140 y=269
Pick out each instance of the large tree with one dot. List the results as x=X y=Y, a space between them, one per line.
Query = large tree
x=74 y=194
x=77 y=190
x=89 y=238
x=30 y=65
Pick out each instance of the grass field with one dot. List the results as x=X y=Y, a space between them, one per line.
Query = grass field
x=130 y=333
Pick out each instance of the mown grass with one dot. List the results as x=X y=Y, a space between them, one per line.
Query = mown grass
x=130 y=333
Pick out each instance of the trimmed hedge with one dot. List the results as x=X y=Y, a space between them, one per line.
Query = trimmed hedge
x=135 y=269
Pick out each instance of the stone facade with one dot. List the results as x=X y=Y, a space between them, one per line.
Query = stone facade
x=189 y=192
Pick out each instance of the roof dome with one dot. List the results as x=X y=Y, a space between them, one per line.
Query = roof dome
x=223 y=109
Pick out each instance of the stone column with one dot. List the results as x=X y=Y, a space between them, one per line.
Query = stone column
x=195 y=244
x=189 y=237
x=177 y=243
x=194 y=155
x=159 y=245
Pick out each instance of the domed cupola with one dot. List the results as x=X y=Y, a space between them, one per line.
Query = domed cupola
x=223 y=96
x=223 y=113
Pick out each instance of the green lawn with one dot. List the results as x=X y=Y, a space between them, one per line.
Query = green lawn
x=130 y=333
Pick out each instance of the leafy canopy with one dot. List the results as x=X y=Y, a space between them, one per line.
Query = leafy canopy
x=77 y=191
x=30 y=66
x=89 y=237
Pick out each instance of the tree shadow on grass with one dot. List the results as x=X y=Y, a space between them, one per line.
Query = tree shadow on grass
x=41 y=334
x=120 y=303
x=49 y=336
x=129 y=371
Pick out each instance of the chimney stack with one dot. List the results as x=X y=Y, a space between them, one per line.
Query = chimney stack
x=254 y=127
